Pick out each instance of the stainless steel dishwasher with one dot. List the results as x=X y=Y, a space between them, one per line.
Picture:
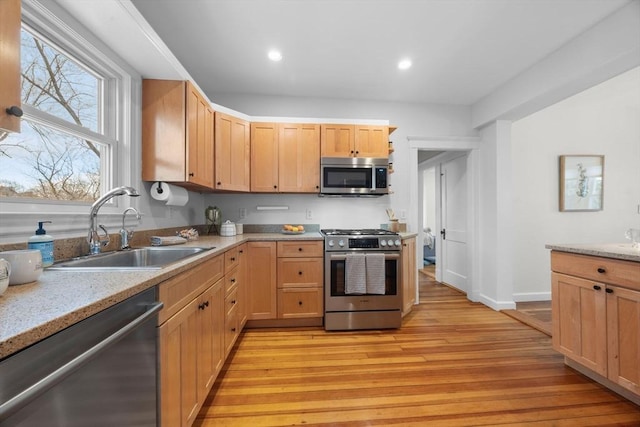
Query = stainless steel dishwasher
x=101 y=371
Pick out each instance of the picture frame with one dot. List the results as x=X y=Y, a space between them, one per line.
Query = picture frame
x=581 y=183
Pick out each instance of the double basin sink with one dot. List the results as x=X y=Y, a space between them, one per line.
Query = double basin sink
x=148 y=258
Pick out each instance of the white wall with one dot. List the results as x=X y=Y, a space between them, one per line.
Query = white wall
x=602 y=120
x=429 y=199
x=411 y=119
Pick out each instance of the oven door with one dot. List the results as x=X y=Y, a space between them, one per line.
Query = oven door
x=337 y=300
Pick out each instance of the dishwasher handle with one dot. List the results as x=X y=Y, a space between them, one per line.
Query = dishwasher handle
x=31 y=393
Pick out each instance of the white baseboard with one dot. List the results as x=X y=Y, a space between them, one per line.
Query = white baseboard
x=497 y=305
x=532 y=296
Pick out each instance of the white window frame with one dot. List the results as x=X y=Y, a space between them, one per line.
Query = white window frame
x=18 y=218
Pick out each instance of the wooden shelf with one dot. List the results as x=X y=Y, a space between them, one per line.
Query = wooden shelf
x=392 y=128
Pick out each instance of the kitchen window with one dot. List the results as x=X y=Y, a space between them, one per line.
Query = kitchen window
x=77 y=125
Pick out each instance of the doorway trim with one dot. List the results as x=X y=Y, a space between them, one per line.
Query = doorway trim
x=451 y=146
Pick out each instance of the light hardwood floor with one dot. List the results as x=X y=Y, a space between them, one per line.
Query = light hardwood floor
x=453 y=363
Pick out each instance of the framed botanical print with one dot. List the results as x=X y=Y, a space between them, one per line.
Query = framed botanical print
x=581 y=183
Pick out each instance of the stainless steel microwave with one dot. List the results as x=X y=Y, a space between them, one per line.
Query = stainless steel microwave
x=353 y=176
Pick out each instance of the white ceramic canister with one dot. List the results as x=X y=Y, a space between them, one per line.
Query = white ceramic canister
x=5 y=270
x=228 y=228
x=26 y=265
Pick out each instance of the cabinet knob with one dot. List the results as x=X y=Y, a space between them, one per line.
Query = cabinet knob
x=14 y=110
x=299 y=302
x=233 y=301
x=299 y=249
x=191 y=174
x=233 y=329
x=596 y=287
x=609 y=290
x=275 y=186
x=219 y=183
x=233 y=258
x=201 y=306
x=233 y=280
x=300 y=273
x=601 y=270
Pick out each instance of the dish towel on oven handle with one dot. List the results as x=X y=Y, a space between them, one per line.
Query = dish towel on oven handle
x=355 y=274
x=375 y=273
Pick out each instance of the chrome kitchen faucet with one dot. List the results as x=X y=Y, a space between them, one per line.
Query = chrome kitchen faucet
x=95 y=242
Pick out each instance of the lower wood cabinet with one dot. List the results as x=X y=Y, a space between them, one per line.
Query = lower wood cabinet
x=409 y=272
x=596 y=318
x=286 y=280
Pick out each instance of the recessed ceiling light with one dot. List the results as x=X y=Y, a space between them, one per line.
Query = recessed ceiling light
x=404 y=64
x=275 y=55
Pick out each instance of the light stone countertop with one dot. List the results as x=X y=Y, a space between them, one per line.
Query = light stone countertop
x=32 y=312
x=622 y=251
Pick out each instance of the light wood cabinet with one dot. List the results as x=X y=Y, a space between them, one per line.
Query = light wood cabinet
x=354 y=141
x=409 y=272
x=596 y=318
x=286 y=280
x=232 y=153
x=264 y=158
x=191 y=328
x=262 y=280
x=285 y=157
x=177 y=135
x=300 y=279
x=233 y=302
x=10 y=95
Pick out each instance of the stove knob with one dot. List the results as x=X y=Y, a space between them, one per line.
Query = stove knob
x=397 y=242
x=383 y=243
x=341 y=243
x=390 y=242
x=330 y=243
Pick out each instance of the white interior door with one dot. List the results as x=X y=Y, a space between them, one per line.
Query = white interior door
x=453 y=192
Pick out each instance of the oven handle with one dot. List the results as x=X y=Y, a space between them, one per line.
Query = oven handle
x=21 y=399
x=340 y=256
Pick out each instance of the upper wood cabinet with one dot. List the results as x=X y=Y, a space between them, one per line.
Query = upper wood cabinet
x=10 y=60
x=264 y=157
x=299 y=158
x=354 y=141
x=177 y=134
x=232 y=153
x=285 y=157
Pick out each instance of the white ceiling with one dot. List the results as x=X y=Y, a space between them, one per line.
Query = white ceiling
x=461 y=50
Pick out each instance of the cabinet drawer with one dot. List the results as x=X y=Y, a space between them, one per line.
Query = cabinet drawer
x=300 y=303
x=176 y=292
x=300 y=272
x=231 y=301
x=604 y=270
x=231 y=280
x=231 y=259
x=231 y=329
x=299 y=248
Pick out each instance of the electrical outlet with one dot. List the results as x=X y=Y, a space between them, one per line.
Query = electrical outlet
x=309 y=214
x=403 y=214
x=242 y=213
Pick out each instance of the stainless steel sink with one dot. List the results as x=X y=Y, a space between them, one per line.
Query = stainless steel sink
x=149 y=258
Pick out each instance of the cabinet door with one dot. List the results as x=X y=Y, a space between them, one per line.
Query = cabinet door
x=231 y=325
x=623 y=334
x=200 y=136
x=408 y=275
x=10 y=60
x=337 y=140
x=210 y=342
x=299 y=158
x=578 y=308
x=163 y=130
x=300 y=303
x=262 y=280
x=178 y=368
x=232 y=148
x=372 y=141
x=264 y=157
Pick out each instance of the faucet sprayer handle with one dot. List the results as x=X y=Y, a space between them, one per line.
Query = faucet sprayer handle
x=107 y=240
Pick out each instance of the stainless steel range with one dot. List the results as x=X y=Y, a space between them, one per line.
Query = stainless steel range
x=362 y=279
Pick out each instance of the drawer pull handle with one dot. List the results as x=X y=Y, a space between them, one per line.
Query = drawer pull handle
x=233 y=301
x=609 y=290
x=601 y=270
x=233 y=329
x=596 y=287
x=233 y=280
x=233 y=259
